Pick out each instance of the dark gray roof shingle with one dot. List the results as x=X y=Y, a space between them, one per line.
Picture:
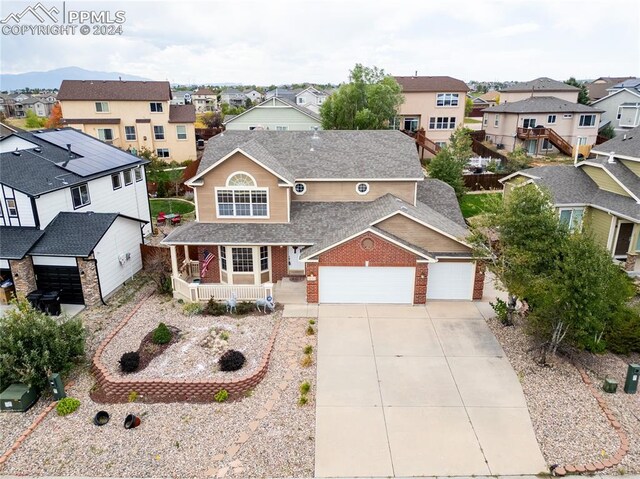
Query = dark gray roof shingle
x=440 y=84
x=440 y=197
x=540 y=84
x=625 y=144
x=541 y=104
x=15 y=242
x=104 y=90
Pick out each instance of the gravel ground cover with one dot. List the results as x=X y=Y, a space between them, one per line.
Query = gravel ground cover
x=188 y=358
x=266 y=434
x=568 y=423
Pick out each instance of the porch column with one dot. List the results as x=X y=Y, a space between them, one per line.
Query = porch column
x=186 y=253
x=174 y=262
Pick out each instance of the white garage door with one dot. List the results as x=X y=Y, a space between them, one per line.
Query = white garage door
x=450 y=280
x=339 y=284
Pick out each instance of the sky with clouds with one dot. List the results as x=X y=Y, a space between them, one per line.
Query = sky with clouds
x=273 y=42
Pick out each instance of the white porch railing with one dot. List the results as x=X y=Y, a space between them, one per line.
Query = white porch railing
x=203 y=292
x=193 y=269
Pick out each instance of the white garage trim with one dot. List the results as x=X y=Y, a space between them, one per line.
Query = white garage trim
x=54 y=261
x=4 y=264
x=453 y=280
x=354 y=284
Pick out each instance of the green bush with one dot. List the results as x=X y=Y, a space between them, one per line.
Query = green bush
x=67 y=405
x=308 y=349
x=221 y=396
x=245 y=307
x=161 y=335
x=213 y=308
x=302 y=400
x=191 y=309
x=624 y=335
x=305 y=387
x=500 y=307
x=34 y=121
x=32 y=345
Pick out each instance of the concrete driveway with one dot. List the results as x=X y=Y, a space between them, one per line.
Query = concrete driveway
x=418 y=391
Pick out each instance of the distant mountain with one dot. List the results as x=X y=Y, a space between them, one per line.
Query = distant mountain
x=53 y=78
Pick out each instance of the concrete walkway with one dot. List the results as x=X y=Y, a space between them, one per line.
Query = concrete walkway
x=418 y=391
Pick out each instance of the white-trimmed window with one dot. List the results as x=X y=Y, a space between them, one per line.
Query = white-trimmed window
x=12 y=208
x=156 y=107
x=163 y=153
x=587 y=120
x=102 y=107
x=440 y=144
x=546 y=144
x=362 y=188
x=181 y=132
x=80 y=196
x=442 y=123
x=447 y=99
x=158 y=132
x=264 y=258
x=223 y=258
x=105 y=134
x=529 y=123
x=242 y=198
x=282 y=128
x=116 y=181
x=242 y=260
x=128 y=177
x=300 y=188
x=130 y=133
x=618 y=116
x=567 y=115
x=551 y=119
x=485 y=119
x=496 y=120
x=300 y=100
x=410 y=123
x=582 y=140
x=572 y=218
x=137 y=171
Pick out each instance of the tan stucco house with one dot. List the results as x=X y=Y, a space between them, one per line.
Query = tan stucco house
x=130 y=115
x=601 y=193
x=347 y=212
x=204 y=99
x=435 y=103
x=542 y=86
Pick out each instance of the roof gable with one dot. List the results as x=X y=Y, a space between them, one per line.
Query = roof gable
x=285 y=104
x=540 y=84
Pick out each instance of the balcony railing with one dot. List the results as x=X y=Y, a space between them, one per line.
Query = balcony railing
x=195 y=292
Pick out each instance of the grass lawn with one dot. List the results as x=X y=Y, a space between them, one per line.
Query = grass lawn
x=472 y=205
x=472 y=120
x=170 y=206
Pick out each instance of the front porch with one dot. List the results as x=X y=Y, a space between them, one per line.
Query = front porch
x=194 y=291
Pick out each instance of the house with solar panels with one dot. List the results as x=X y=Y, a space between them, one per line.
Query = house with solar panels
x=73 y=213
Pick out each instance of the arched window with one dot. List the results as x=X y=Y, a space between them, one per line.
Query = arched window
x=242 y=198
x=241 y=179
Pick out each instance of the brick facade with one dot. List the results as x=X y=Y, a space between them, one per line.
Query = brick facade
x=382 y=253
x=24 y=277
x=478 y=282
x=311 y=271
x=279 y=263
x=213 y=271
x=89 y=280
x=420 y=285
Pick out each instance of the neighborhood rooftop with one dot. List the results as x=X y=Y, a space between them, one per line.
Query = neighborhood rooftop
x=104 y=90
x=542 y=83
x=335 y=154
x=440 y=84
x=624 y=144
x=15 y=241
x=542 y=104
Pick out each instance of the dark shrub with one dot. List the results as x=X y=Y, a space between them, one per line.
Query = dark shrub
x=624 y=335
x=161 y=335
x=213 y=308
x=129 y=362
x=231 y=360
x=245 y=307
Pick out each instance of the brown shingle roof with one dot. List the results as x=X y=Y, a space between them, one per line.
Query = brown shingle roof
x=114 y=90
x=435 y=84
x=599 y=90
x=182 y=114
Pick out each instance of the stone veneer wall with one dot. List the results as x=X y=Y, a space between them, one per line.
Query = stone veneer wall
x=89 y=281
x=24 y=277
x=115 y=389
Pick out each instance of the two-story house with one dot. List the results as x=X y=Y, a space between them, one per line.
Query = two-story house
x=130 y=115
x=348 y=212
x=601 y=193
x=599 y=87
x=543 y=87
x=434 y=103
x=311 y=98
x=279 y=114
x=542 y=125
x=205 y=99
x=40 y=106
x=621 y=107
x=254 y=95
x=73 y=212
x=232 y=97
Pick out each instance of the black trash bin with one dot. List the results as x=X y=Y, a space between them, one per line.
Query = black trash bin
x=50 y=302
x=35 y=298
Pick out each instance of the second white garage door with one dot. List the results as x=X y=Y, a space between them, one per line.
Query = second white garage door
x=341 y=284
x=450 y=280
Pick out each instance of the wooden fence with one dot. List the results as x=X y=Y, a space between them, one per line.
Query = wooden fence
x=206 y=133
x=485 y=181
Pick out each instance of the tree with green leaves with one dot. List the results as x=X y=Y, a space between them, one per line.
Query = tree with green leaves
x=608 y=132
x=369 y=101
x=468 y=106
x=460 y=145
x=33 y=121
x=583 y=95
x=445 y=167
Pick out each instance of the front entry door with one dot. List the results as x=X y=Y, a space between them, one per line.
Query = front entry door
x=295 y=265
x=624 y=238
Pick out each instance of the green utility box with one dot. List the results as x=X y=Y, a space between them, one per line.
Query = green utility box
x=633 y=375
x=18 y=398
x=610 y=386
x=57 y=388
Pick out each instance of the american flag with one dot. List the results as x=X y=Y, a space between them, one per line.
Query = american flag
x=208 y=257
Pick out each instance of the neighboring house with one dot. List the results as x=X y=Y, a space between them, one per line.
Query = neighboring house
x=181 y=98
x=131 y=115
x=232 y=97
x=598 y=88
x=621 y=108
x=274 y=114
x=311 y=98
x=7 y=105
x=542 y=86
x=40 y=106
x=282 y=92
x=205 y=99
x=254 y=95
x=602 y=193
x=435 y=103
x=349 y=212
x=6 y=130
x=73 y=213
x=542 y=125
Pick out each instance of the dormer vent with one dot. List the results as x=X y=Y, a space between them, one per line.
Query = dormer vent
x=611 y=159
x=69 y=150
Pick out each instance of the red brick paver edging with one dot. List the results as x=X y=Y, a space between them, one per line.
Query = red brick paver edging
x=624 y=439
x=113 y=389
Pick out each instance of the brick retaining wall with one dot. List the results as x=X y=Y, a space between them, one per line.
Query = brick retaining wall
x=112 y=389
